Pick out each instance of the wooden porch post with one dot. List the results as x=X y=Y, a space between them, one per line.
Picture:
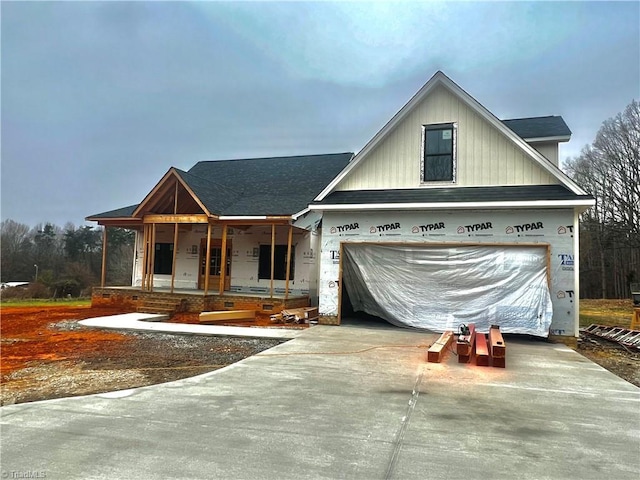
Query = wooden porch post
x=103 y=275
x=152 y=263
x=273 y=253
x=289 y=241
x=223 y=259
x=175 y=255
x=207 y=261
x=175 y=237
x=145 y=254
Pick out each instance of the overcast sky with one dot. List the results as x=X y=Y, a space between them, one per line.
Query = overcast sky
x=99 y=100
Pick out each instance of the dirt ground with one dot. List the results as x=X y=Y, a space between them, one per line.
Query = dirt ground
x=46 y=353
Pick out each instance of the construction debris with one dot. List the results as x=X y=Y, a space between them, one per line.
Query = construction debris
x=626 y=337
x=296 y=315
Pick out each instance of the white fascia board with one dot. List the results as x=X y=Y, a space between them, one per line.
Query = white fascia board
x=458 y=205
x=548 y=139
x=441 y=78
x=295 y=216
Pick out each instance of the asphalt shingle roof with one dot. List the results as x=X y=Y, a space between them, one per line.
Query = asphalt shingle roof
x=257 y=186
x=117 y=213
x=452 y=195
x=538 y=127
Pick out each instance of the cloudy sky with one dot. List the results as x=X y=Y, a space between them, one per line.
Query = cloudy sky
x=100 y=99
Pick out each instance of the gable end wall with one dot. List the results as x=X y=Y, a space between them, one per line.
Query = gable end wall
x=485 y=156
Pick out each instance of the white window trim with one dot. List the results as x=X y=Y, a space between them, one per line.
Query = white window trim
x=454 y=180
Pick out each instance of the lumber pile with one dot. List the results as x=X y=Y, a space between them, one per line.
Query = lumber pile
x=296 y=315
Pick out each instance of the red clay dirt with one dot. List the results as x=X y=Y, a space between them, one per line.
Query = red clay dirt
x=46 y=353
x=26 y=336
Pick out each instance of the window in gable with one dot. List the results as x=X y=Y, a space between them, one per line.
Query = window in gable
x=439 y=153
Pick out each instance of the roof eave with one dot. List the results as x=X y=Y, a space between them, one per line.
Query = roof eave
x=558 y=138
x=577 y=203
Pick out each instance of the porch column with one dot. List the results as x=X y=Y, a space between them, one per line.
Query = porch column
x=289 y=241
x=152 y=263
x=223 y=259
x=207 y=261
x=175 y=237
x=145 y=255
x=273 y=253
x=103 y=274
x=175 y=254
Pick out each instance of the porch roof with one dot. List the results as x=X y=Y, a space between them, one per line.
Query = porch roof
x=274 y=186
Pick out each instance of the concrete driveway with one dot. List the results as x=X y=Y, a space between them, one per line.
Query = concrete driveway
x=332 y=404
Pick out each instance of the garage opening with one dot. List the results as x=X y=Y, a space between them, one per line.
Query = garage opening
x=439 y=287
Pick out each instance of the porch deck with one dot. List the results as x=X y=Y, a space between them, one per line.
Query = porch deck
x=192 y=300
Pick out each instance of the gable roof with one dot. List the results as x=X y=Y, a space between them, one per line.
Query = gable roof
x=540 y=128
x=441 y=79
x=272 y=186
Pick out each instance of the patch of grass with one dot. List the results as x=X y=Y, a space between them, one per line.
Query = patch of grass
x=606 y=312
x=46 y=302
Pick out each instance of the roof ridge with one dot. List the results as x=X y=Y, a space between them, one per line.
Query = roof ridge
x=530 y=118
x=276 y=157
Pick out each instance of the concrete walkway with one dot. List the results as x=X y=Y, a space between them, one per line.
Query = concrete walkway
x=154 y=323
x=344 y=402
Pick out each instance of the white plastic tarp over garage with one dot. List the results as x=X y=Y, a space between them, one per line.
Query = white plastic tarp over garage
x=440 y=287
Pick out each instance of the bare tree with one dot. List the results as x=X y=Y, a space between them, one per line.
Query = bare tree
x=610 y=170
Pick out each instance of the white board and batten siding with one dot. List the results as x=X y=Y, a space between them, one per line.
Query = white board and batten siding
x=554 y=227
x=485 y=156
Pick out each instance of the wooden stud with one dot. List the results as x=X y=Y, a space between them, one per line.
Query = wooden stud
x=339 y=286
x=143 y=283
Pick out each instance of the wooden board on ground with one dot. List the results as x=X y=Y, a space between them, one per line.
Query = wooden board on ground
x=227 y=315
x=438 y=349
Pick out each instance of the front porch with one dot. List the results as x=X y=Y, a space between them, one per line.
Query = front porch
x=162 y=300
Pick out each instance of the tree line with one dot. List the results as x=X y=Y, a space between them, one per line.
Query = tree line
x=609 y=169
x=63 y=261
